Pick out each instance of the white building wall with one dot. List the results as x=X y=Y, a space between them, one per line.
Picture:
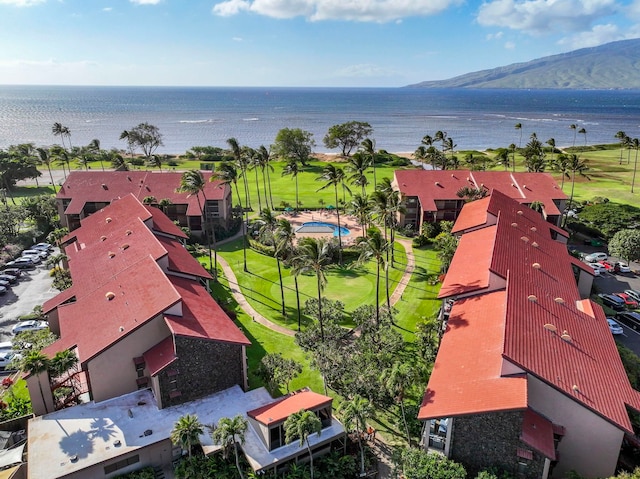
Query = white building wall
x=591 y=445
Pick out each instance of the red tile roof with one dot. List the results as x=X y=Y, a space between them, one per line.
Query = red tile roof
x=162 y=223
x=180 y=260
x=537 y=432
x=474 y=214
x=201 y=316
x=284 y=407
x=160 y=356
x=541 y=290
x=466 y=376
x=470 y=267
x=57 y=300
x=432 y=185
x=105 y=186
x=140 y=291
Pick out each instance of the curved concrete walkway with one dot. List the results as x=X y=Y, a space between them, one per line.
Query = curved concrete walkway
x=408 y=271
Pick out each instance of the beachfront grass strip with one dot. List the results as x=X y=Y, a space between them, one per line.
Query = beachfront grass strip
x=264 y=341
x=353 y=285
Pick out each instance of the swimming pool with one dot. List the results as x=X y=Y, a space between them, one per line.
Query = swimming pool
x=322 y=227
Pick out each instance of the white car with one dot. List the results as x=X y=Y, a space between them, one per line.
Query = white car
x=622 y=267
x=633 y=293
x=6 y=356
x=614 y=327
x=594 y=257
x=30 y=325
x=598 y=269
x=35 y=252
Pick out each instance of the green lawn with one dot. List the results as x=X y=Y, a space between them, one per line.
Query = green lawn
x=353 y=285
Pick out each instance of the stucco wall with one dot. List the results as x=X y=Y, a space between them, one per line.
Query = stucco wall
x=591 y=445
x=485 y=440
x=112 y=373
x=203 y=367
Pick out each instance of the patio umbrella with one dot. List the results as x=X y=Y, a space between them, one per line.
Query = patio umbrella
x=331 y=207
x=288 y=209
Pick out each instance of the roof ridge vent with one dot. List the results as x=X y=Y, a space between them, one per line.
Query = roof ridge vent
x=110 y=295
x=103 y=238
x=454 y=176
x=525 y=239
x=111 y=254
x=514 y=224
x=104 y=186
x=550 y=327
x=534 y=244
x=128 y=232
x=534 y=229
x=536 y=266
x=519 y=212
x=565 y=336
x=438 y=183
x=576 y=388
x=108 y=219
x=559 y=300
x=128 y=178
x=125 y=246
x=533 y=298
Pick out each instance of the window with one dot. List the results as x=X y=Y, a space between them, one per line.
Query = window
x=275 y=437
x=121 y=464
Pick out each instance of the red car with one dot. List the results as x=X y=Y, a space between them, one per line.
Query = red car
x=606 y=265
x=629 y=302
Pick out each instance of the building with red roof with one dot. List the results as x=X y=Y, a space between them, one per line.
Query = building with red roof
x=432 y=195
x=85 y=192
x=138 y=315
x=528 y=376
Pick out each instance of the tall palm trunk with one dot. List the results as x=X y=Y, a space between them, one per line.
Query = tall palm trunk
x=203 y=225
x=386 y=268
x=244 y=231
x=335 y=188
x=378 y=293
x=270 y=193
x=53 y=183
x=362 y=473
x=297 y=201
x=235 y=450
x=635 y=167
x=320 y=307
x=295 y=280
x=258 y=191
x=211 y=244
x=310 y=457
x=404 y=419
x=284 y=312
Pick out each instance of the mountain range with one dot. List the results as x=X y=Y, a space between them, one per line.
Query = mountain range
x=613 y=65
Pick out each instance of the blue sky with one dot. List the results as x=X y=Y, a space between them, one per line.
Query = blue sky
x=291 y=42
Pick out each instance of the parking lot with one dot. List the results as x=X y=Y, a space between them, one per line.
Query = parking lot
x=32 y=289
x=617 y=283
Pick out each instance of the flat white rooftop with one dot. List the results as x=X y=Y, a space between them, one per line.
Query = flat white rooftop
x=91 y=431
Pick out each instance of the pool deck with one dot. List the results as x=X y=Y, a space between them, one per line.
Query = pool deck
x=326 y=216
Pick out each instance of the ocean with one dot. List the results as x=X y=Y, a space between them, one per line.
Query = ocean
x=400 y=117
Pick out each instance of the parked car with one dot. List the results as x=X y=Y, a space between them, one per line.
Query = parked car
x=6 y=345
x=9 y=278
x=607 y=266
x=622 y=267
x=5 y=283
x=17 y=272
x=3 y=290
x=43 y=247
x=614 y=302
x=34 y=255
x=630 y=318
x=598 y=269
x=22 y=263
x=595 y=257
x=629 y=302
x=614 y=327
x=6 y=356
x=634 y=294
x=29 y=325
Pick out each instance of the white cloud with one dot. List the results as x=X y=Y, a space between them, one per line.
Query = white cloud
x=349 y=10
x=237 y=39
x=145 y=2
x=21 y=3
x=597 y=36
x=495 y=36
x=365 y=70
x=634 y=9
x=509 y=45
x=107 y=9
x=544 y=16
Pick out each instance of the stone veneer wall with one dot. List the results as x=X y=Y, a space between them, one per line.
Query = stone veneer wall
x=202 y=368
x=485 y=440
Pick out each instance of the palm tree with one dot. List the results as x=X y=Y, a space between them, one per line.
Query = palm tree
x=293 y=168
x=636 y=145
x=518 y=126
x=255 y=166
x=537 y=206
x=228 y=174
x=58 y=129
x=574 y=127
x=355 y=413
x=300 y=425
x=62 y=363
x=471 y=193
x=263 y=157
x=333 y=177
x=267 y=234
x=368 y=147
x=561 y=165
x=360 y=207
x=583 y=131
x=231 y=431
x=376 y=247
x=314 y=256
x=502 y=158
x=552 y=143
x=241 y=162
x=192 y=182
x=44 y=157
x=284 y=236
x=155 y=161
x=621 y=135
x=186 y=432
x=397 y=380
x=512 y=147
x=357 y=165
x=35 y=363
x=576 y=165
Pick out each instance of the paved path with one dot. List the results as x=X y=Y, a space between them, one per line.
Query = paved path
x=244 y=304
x=408 y=271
